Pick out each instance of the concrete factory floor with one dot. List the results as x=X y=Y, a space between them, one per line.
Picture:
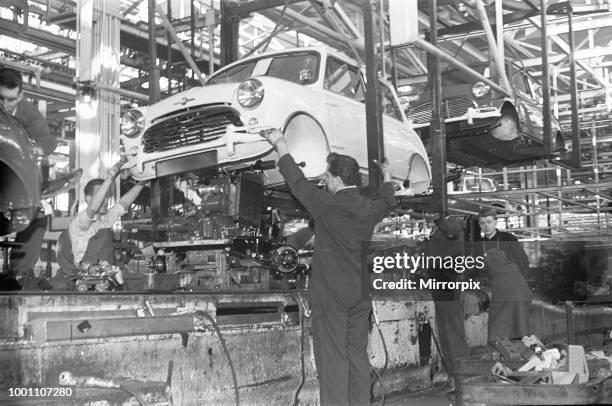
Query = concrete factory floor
x=434 y=397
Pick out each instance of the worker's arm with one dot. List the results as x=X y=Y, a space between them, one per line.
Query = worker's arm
x=37 y=127
x=99 y=197
x=518 y=253
x=131 y=195
x=310 y=196
x=298 y=239
x=386 y=201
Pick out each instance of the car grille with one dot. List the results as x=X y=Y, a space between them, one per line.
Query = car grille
x=451 y=107
x=189 y=126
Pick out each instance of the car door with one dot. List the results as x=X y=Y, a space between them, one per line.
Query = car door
x=395 y=138
x=526 y=106
x=344 y=99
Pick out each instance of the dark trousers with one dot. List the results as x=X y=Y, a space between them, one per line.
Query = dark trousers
x=340 y=340
x=451 y=328
x=23 y=259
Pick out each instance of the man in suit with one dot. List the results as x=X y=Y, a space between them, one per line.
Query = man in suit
x=343 y=221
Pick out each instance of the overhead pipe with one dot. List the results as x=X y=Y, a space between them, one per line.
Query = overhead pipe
x=494 y=51
x=121 y=92
x=426 y=46
x=347 y=21
x=182 y=46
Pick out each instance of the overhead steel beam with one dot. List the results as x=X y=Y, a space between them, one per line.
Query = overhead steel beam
x=578 y=55
x=132 y=7
x=476 y=26
x=459 y=42
x=435 y=50
x=566 y=49
x=38 y=37
x=520 y=192
x=247 y=7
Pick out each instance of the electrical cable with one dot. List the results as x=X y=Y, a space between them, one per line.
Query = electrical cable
x=296 y=399
x=384 y=368
x=225 y=350
x=136 y=396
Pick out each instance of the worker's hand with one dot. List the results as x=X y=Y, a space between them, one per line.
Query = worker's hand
x=273 y=136
x=38 y=151
x=277 y=139
x=116 y=169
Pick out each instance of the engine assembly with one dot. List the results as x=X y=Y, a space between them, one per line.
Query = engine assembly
x=220 y=236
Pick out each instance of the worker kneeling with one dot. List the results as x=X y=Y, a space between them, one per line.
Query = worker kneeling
x=89 y=238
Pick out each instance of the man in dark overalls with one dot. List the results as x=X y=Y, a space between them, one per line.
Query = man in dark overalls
x=447 y=240
x=90 y=233
x=343 y=220
x=506 y=263
x=11 y=95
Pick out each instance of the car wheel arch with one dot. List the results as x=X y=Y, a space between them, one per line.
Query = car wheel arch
x=417 y=172
x=326 y=145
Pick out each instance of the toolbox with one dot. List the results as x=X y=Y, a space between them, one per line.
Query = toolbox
x=484 y=391
x=475 y=386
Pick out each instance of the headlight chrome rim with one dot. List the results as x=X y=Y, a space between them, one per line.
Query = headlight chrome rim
x=132 y=123
x=250 y=93
x=480 y=89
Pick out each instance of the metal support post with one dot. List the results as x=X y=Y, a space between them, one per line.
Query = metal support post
x=154 y=97
x=97 y=116
x=169 y=49
x=437 y=131
x=192 y=29
x=229 y=34
x=576 y=149
x=374 y=113
x=545 y=82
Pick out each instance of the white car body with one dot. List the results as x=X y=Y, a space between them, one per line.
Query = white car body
x=316 y=121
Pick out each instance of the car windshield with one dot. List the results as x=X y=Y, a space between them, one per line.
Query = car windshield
x=455 y=76
x=479 y=185
x=301 y=68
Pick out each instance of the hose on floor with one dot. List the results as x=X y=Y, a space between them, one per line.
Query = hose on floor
x=208 y=317
x=128 y=390
x=296 y=400
x=384 y=368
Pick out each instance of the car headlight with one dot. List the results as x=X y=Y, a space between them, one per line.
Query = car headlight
x=480 y=89
x=250 y=93
x=132 y=123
